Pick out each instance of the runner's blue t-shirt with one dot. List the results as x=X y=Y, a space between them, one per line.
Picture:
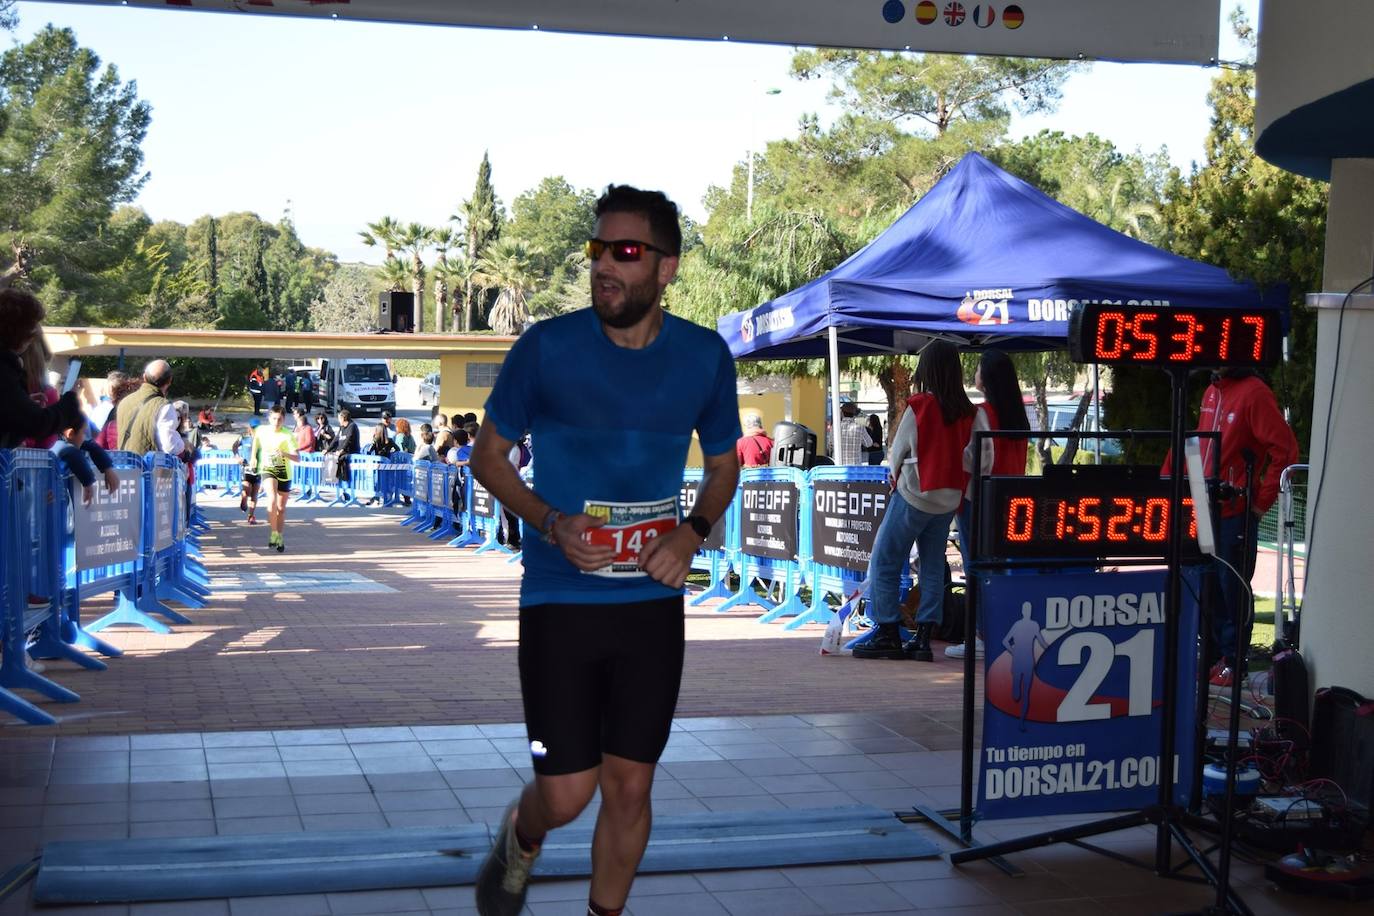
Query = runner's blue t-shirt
x=611 y=424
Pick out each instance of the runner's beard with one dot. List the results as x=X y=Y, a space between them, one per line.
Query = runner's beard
x=636 y=301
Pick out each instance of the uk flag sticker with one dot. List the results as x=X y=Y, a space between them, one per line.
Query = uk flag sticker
x=954 y=13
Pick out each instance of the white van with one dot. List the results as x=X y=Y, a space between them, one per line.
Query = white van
x=362 y=385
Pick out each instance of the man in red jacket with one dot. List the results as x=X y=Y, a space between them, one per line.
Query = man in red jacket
x=1240 y=405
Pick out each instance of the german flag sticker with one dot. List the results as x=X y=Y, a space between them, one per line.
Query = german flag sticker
x=926 y=12
x=1012 y=17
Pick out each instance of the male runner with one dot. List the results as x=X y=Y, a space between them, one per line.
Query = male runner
x=612 y=395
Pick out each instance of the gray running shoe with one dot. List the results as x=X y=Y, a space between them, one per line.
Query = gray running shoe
x=505 y=874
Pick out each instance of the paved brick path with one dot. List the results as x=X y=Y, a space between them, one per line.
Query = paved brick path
x=439 y=649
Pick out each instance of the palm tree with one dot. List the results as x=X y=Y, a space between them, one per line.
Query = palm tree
x=384 y=232
x=442 y=238
x=476 y=224
x=413 y=240
x=508 y=265
x=455 y=272
x=1112 y=208
x=394 y=274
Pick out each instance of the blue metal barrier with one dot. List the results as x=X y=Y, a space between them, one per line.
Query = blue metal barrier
x=364 y=477
x=180 y=576
x=396 y=479
x=157 y=551
x=486 y=518
x=444 y=522
x=29 y=491
x=718 y=561
x=307 y=477
x=421 y=511
x=788 y=574
x=221 y=470
x=465 y=523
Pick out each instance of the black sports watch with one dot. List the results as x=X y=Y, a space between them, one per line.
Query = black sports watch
x=700 y=525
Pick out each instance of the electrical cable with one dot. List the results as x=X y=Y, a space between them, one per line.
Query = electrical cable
x=1326 y=434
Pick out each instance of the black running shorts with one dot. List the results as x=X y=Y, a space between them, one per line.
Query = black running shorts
x=599 y=678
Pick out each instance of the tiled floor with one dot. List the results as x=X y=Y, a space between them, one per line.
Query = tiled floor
x=280 y=714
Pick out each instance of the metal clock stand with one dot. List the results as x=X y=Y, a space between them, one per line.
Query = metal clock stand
x=1170 y=819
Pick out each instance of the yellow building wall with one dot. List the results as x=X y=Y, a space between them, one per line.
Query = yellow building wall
x=808 y=408
x=455 y=397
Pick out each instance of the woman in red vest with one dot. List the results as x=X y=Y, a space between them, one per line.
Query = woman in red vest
x=1003 y=408
x=928 y=477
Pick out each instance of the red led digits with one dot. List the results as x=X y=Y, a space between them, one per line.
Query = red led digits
x=1087 y=510
x=1059 y=523
x=1020 y=519
x=1257 y=322
x=1192 y=517
x=1224 y=345
x=1118 y=526
x=1113 y=322
x=1149 y=338
x=1155 y=525
x=1187 y=338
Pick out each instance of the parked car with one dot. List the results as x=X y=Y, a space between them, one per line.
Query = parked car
x=1061 y=412
x=429 y=390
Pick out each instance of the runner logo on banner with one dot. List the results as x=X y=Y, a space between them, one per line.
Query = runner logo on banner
x=107 y=531
x=164 y=507
x=768 y=519
x=845 y=515
x=482 y=504
x=688 y=498
x=1074 y=693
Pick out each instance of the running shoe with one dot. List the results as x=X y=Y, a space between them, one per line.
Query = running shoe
x=252 y=519
x=505 y=874
x=957 y=650
x=281 y=544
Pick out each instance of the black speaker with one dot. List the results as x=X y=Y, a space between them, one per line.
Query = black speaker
x=396 y=311
x=794 y=445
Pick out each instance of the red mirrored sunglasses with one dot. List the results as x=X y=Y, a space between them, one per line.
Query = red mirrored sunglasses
x=621 y=249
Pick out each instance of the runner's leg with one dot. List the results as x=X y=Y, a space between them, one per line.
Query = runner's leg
x=622 y=828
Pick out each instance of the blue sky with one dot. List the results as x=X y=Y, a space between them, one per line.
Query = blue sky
x=351 y=121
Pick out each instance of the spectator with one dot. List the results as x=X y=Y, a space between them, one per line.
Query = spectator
x=305 y=435
x=347 y=442
x=472 y=428
x=147 y=420
x=874 y=452
x=469 y=417
x=288 y=390
x=444 y=443
x=255 y=388
x=205 y=420
x=853 y=437
x=1003 y=408
x=425 y=450
x=1240 y=405
x=386 y=422
x=324 y=435
x=271 y=390
x=382 y=444
x=21 y=316
x=78 y=453
x=441 y=424
x=108 y=437
x=307 y=390
x=929 y=478
x=754 y=449
x=104 y=408
x=35 y=362
x=405 y=442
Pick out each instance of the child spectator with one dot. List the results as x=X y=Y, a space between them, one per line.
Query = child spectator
x=79 y=454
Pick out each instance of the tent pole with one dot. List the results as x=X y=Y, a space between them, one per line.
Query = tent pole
x=1097 y=412
x=832 y=446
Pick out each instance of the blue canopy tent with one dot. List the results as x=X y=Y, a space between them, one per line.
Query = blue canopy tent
x=982 y=260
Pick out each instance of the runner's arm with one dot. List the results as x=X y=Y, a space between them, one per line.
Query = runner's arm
x=489 y=464
x=668 y=559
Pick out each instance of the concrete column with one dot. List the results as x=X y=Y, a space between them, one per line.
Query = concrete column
x=1338 y=611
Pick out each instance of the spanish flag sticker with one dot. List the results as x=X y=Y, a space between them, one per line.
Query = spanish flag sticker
x=926 y=11
x=1012 y=17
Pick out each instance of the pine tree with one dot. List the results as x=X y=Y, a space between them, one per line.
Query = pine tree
x=482 y=220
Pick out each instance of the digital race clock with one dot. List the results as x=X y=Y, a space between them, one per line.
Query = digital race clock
x=1085 y=512
x=1161 y=335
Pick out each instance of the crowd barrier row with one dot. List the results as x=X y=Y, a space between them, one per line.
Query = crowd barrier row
x=137 y=541
x=786 y=532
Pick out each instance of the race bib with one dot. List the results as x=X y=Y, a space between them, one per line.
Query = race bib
x=629 y=527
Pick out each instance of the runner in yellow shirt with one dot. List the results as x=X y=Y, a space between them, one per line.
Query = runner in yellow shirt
x=273 y=448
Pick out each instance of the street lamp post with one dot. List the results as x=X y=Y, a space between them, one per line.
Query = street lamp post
x=753 y=143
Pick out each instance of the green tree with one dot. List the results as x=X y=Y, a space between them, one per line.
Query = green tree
x=481 y=220
x=414 y=241
x=443 y=238
x=556 y=218
x=509 y=267
x=1259 y=222
x=71 y=138
x=345 y=304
